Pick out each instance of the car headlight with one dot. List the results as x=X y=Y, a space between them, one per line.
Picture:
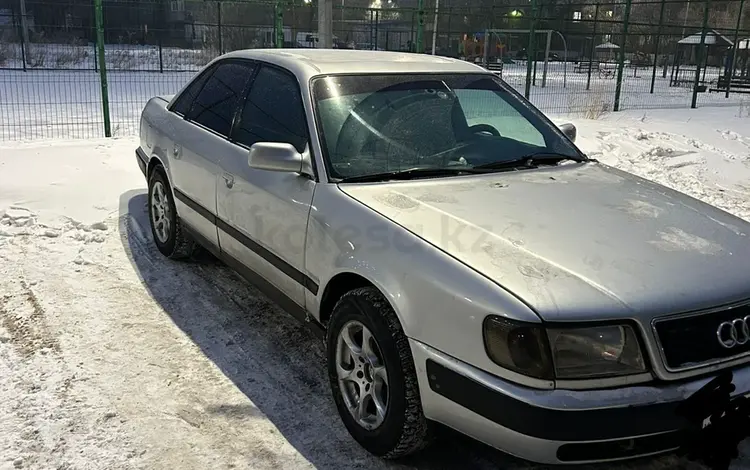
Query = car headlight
x=600 y=351
x=563 y=353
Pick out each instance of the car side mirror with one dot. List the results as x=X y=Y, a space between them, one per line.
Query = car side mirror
x=569 y=130
x=276 y=156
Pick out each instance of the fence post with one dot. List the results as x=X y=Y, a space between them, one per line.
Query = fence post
x=161 y=56
x=658 y=41
x=621 y=61
x=531 y=50
x=278 y=25
x=699 y=55
x=412 y=47
x=218 y=17
x=489 y=35
x=23 y=56
x=420 y=26
x=377 y=24
x=593 y=41
x=99 y=19
x=734 y=49
x=546 y=59
x=450 y=13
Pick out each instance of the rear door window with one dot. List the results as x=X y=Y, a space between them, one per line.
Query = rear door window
x=217 y=102
x=187 y=97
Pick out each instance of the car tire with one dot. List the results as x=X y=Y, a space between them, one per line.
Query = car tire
x=403 y=428
x=169 y=236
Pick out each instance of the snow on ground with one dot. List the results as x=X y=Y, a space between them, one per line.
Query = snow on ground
x=112 y=357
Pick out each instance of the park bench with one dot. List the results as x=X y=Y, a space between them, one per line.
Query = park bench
x=736 y=84
x=584 y=65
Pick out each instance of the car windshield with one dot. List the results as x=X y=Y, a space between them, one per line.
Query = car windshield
x=373 y=124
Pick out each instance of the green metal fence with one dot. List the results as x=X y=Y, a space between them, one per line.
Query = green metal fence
x=85 y=68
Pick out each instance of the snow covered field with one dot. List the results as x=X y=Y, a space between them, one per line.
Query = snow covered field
x=112 y=357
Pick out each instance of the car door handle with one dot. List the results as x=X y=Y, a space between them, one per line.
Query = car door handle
x=228 y=180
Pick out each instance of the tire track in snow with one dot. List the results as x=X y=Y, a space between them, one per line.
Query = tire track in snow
x=22 y=316
x=47 y=421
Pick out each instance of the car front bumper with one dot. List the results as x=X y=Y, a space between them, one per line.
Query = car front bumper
x=555 y=426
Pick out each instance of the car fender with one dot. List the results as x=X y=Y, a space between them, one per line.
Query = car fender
x=439 y=300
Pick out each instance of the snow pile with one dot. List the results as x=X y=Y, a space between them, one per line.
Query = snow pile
x=17 y=221
x=684 y=151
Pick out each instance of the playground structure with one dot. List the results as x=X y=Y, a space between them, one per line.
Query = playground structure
x=736 y=76
x=498 y=34
x=695 y=52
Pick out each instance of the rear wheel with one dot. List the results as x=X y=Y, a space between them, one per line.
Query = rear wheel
x=166 y=228
x=372 y=376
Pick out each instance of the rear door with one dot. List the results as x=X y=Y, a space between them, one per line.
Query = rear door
x=201 y=145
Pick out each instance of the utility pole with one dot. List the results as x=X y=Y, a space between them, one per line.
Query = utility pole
x=325 y=24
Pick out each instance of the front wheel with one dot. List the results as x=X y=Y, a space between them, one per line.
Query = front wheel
x=166 y=228
x=372 y=376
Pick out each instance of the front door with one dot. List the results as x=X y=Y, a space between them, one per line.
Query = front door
x=263 y=214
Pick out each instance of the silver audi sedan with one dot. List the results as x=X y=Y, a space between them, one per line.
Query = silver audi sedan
x=464 y=261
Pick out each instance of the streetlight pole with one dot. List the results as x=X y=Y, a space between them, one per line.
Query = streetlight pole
x=434 y=27
x=325 y=24
x=684 y=22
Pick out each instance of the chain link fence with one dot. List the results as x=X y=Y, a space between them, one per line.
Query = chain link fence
x=63 y=77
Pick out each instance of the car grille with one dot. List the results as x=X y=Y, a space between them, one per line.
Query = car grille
x=691 y=340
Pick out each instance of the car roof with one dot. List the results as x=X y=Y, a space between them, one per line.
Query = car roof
x=306 y=63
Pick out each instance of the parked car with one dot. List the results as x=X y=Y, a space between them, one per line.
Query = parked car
x=464 y=262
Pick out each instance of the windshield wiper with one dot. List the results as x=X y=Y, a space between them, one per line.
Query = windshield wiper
x=529 y=160
x=411 y=173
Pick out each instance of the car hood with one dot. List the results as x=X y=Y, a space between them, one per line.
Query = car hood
x=578 y=242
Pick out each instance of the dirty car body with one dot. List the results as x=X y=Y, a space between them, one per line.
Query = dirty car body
x=537 y=300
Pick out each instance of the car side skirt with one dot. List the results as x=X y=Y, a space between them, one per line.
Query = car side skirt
x=142 y=160
x=268 y=289
x=259 y=282
x=249 y=243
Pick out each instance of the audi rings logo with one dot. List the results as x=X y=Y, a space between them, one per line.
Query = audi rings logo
x=734 y=333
